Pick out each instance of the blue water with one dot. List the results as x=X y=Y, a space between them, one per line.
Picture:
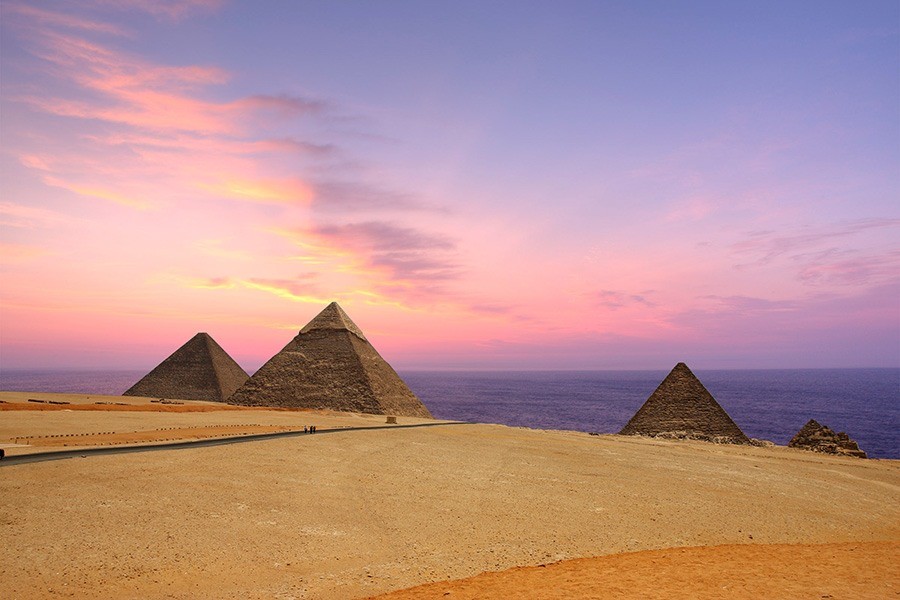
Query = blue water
x=766 y=404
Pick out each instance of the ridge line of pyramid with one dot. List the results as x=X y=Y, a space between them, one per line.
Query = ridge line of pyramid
x=333 y=317
x=225 y=368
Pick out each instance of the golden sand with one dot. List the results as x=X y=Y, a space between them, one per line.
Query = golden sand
x=356 y=513
x=857 y=570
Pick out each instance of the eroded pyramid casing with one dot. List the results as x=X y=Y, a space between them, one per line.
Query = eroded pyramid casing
x=821 y=438
x=330 y=365
x=199 y=370
x=682 y=405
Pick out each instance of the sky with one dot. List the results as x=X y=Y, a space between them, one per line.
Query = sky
x=480 y=184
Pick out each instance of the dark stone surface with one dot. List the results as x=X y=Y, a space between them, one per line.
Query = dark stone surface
x=330 y=365
x=199 y=370
x=819 y=438
x=681 y=407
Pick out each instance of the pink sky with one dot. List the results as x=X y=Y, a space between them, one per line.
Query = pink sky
x=567 y=186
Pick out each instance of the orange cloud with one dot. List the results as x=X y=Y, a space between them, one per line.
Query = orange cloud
x=98 y=192
x=150 y=96
x=291 y=191
x=172 y=142
x=213 y=283
x=16 y=253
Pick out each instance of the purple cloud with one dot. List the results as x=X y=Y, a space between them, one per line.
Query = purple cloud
x=616 y=300
x=406 y=253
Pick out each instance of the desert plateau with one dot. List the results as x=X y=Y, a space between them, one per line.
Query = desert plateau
x=354 y=513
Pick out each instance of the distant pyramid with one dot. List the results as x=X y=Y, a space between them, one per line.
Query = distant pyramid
x=199 y=370
x=330 y=365
x=681 y=406
x=820 y=438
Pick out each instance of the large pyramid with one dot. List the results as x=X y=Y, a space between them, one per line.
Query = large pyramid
x=199 y=370
x=330 y=365
x=682 y=406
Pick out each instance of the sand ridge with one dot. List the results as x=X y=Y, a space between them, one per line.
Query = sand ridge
x=858 y=570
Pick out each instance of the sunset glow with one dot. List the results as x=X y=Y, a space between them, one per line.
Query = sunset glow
x=480 y=184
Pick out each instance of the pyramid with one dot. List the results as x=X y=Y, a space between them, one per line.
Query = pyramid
x=199 y=370
x=330 y=365
x=820 y=438
x=682 y=407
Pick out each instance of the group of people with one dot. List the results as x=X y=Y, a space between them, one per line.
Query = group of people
x=309 y=429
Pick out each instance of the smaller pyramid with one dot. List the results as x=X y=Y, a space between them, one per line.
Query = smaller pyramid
x=199 y=370
x=681 y=407
x=330 y=365
x=819 y=438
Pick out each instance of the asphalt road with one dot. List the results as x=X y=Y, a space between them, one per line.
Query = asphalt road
x=22 y=459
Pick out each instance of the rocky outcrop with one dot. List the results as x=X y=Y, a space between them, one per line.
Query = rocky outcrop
x=819 y=438
x=682 y=408
x=330 y=365
x=199 y=370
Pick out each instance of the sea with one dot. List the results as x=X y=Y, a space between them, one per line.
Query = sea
x=766 y=404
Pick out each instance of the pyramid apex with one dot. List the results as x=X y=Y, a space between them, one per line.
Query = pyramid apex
x=333 y=317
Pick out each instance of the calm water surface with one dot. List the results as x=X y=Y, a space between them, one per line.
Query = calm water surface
x=766 y=404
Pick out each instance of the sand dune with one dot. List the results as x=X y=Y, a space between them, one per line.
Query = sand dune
x=357 y=513
x=850 y=570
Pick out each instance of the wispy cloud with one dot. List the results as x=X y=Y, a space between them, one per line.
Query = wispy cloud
x=214 y=283
x=29 y=217
x=33 y=15
x=284 y=105
x=615 y=300
x=847 y=253
x=159 y=138
x=168 y=133
x=100 y=192
x=299 y=289
x=341 y=196
x=833 y=266
x=11 y=253
x=765 y=246
x=402 y=253
x=287 y=290
x=173 y=10
x=748 y=304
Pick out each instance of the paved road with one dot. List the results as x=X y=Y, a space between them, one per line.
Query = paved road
x=86 y=452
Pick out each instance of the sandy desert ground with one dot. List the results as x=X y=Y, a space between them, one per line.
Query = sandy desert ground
x=358 y=513
x=857 y=570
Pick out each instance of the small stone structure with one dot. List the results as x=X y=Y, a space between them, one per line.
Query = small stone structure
x=199 y=370
x=391 y=421
x=682 y=408
x=330 y=365
x=819 y=438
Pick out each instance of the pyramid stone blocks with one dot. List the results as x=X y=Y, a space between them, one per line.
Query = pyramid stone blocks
x=819 y=438
x=330 y=365
x=199 y=370
x=682 y=407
